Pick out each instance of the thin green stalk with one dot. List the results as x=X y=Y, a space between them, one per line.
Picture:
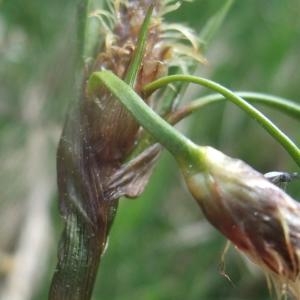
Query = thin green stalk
x=287 y=106
x=284 y=105
x=174 y=96
x=215 y=22
x=137 y=58
x=82 y=12
x=180 y=146
x=282 y=138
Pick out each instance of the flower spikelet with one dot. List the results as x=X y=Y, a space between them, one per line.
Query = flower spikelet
x=259 y=218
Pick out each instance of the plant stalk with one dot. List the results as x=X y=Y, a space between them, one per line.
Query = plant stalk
x=281 y=137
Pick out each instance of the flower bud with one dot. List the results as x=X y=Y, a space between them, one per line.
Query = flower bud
x=259 y=218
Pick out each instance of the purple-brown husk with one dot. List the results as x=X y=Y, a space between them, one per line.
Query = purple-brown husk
x=259 y=218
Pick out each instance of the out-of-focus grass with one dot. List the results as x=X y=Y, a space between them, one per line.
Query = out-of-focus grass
x=160 y=246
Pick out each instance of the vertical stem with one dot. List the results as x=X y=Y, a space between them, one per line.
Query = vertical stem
x=86 y=208
x=79 y=257
x=82 y=13
x=215 y=22
x=139 y=52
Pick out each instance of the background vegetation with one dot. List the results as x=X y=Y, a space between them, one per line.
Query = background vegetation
x=160 y=246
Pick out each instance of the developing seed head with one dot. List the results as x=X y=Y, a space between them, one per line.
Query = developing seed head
x=259 y=218
x=110 y=128
x=122 y=38
x=165 y=42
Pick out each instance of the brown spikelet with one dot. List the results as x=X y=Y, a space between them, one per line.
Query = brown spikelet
x=259 y=218
x=106 y=128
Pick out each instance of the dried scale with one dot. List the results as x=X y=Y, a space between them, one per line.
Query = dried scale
x=99 y=136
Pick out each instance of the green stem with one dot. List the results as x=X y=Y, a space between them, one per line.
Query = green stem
x=180 y=146
x=137 y=58
x=82 y=12
x=215 y=22
x=284 y=105
x=282 y=138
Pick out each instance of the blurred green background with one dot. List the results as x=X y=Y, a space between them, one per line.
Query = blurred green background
x=160 y=246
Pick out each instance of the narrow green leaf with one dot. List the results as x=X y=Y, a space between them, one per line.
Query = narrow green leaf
x=82 y=12
x=139 y=52
x=286 y=106
x=274 y=131
x=215 y=22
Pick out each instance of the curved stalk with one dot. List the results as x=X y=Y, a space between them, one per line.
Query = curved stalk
x=281 y=137
x=284 y=105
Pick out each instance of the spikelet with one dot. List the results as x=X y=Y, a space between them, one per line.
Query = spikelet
x=166 y=43
x=259 y=218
